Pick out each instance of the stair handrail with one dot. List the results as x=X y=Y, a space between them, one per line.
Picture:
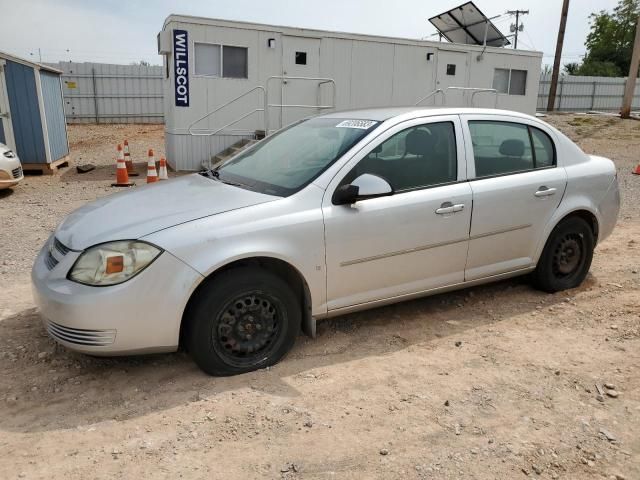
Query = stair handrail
x=435 y=92
x=321 y=80
x=477 y=91
x=258 y=87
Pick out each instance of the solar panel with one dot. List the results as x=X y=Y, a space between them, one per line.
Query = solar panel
x=467 y=24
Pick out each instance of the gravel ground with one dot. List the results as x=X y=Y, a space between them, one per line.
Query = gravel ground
x=499 y=381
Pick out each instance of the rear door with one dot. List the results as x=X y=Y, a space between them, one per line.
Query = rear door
x=516 y=186
x=300 y=58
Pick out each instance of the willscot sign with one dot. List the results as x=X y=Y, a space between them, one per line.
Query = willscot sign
x=181 y=67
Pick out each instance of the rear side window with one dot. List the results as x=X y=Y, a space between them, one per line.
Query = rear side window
x=502 y=148
x=545 y=153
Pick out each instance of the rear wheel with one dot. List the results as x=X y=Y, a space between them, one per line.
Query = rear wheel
x=566 y=258
x=242 y=320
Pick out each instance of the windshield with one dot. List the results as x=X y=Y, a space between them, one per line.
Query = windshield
x=289 y=160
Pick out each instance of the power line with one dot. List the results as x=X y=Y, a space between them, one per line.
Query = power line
x=518 y=27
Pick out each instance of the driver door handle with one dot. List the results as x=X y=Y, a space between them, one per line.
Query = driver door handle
x=448 y=207
x=545 y=192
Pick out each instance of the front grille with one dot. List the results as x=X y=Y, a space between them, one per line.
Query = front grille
x=56 y=252
x=50 y=261
x=78 y=336
x=17 y=172
x=60 y=247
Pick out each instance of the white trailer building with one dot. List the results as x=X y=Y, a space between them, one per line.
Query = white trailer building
x=226 y=82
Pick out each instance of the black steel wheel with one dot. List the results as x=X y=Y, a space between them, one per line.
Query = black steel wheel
x=247 y=328
x=566 y=258
x=242 y=320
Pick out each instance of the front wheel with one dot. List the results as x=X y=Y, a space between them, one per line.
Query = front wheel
x=566 y=258
x=242 y=320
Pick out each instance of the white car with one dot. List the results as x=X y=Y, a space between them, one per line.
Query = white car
x=338 y=213
x=10 y=168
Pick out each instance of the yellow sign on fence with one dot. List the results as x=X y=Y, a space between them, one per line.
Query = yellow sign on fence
x=71 y=84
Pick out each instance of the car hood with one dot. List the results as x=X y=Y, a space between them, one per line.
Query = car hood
x=145 y=210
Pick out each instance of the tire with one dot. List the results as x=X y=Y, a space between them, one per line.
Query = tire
x=566 y=258
x=242 y=320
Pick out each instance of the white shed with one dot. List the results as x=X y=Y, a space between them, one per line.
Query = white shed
x=221 y=77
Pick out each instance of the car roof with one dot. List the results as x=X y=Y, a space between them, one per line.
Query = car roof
x=382 y=114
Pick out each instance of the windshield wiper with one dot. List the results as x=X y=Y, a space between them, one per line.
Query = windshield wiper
x=214 y=174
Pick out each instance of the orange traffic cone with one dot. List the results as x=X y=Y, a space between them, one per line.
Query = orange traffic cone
x=122 y=177
x=162 y=174
x=636 y=171
x=152 y=174
x=127 y=160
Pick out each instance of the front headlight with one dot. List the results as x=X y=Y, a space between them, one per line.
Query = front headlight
x=113 y=263
x=9 y=154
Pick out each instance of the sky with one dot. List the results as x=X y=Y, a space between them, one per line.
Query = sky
x=124 y=31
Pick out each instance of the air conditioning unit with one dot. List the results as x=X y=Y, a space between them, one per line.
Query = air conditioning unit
x=164 y=42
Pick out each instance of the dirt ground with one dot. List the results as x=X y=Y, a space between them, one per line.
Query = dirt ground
x=494 y=382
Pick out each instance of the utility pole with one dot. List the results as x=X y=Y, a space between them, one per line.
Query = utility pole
x=633 y=74
x=517 y=28
x=556 y=63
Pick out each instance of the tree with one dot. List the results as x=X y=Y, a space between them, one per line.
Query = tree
x=610 y=42
x=142 y=63
x=572 y=68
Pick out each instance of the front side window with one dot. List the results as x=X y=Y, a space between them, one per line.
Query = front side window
x=502 y=148
x=418 y=157
x=284 y=163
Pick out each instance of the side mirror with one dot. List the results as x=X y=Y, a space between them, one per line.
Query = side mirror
x=362 y=188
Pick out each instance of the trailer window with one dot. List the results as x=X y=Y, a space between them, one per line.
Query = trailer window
x=234 y=62
x=214 y=60
x=207 y=61
x=511 y=82
x=301 y=58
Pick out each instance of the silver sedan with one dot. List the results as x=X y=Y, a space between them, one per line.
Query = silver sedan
x=334 y=214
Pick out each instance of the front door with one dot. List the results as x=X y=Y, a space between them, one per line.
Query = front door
x=300 y=58
x=6 y=128
x=412 y=241
x=452 y=72
x=516 y=189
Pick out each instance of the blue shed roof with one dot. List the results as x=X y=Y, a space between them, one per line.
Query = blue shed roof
x=24 y=61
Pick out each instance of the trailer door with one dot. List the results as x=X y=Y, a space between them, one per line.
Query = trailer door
x=452 y=72
x=301 y=58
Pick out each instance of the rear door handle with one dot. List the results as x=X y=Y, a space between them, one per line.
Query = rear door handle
x=545 y=192
x=448 y=207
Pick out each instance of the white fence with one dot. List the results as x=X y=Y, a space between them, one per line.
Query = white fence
x=105 y=93
x=582 y=94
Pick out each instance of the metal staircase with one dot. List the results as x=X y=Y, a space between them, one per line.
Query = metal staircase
x=264 y=107
x=464 y=90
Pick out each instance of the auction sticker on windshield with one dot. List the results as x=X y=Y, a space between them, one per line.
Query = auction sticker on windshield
x=359 y=124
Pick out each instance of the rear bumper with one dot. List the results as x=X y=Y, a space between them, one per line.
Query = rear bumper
x=142 y=315
x=609 y=209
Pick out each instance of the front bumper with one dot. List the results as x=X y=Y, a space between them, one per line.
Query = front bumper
x=13 y=171
x=142 y=315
